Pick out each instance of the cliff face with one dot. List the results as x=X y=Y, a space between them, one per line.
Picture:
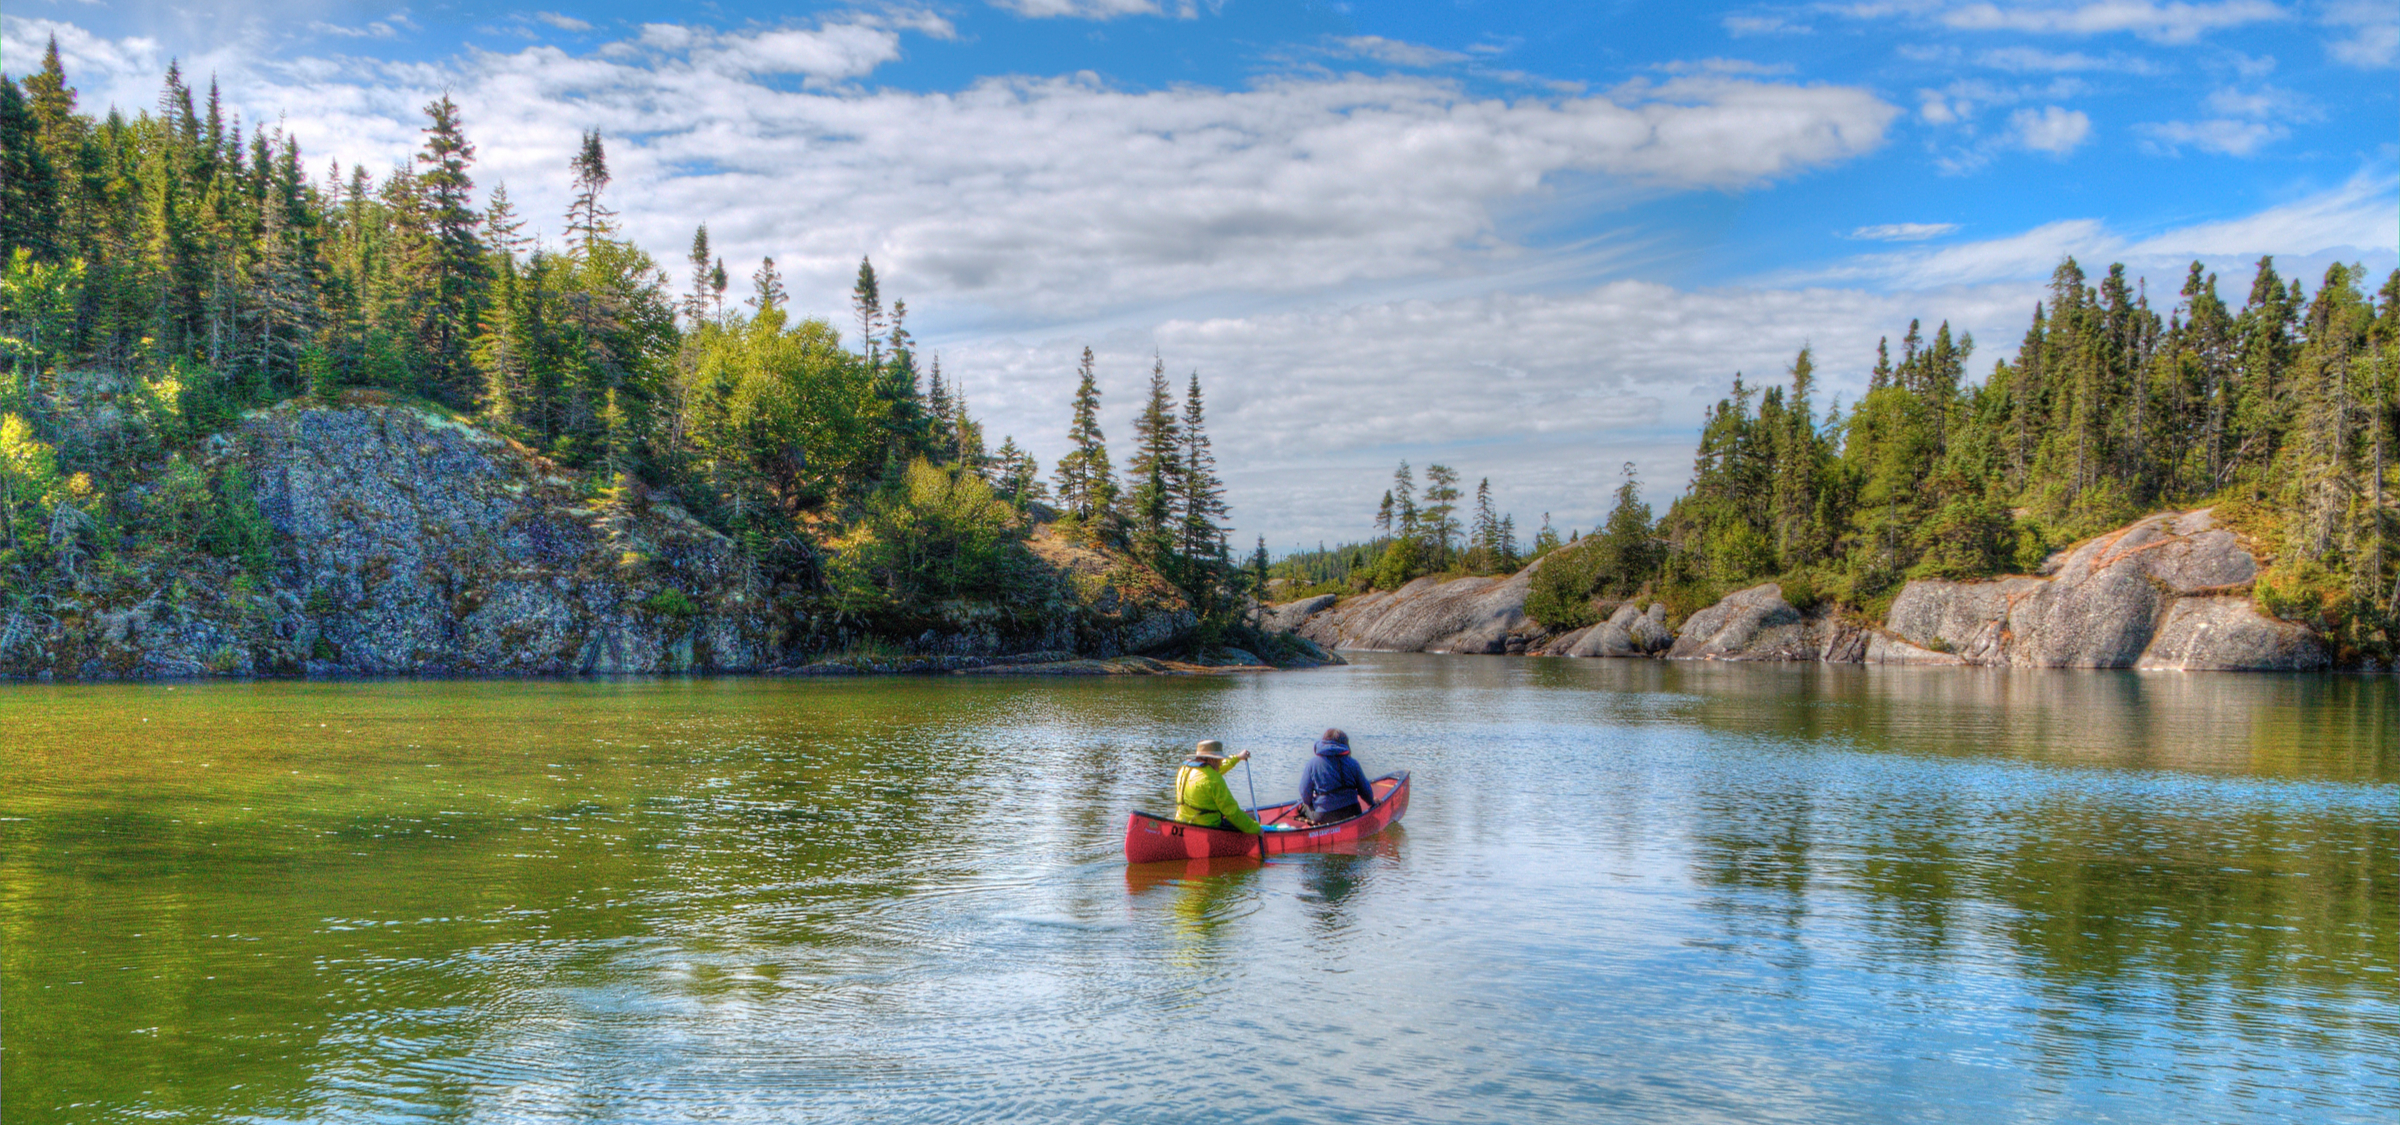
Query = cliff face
x=405 y=543
x=2168 y=592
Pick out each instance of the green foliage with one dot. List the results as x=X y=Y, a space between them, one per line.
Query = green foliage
x=1968 y=537
x=180 y=507
x=670 y=602
x=939 y=536
x=1404 y=560
x=1560 y=596
x=239 y=529
x=29 y=482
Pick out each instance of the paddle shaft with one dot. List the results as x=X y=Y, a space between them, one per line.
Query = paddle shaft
x=1250 y=774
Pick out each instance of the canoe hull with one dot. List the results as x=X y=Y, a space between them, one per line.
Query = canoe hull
x=1155 y=839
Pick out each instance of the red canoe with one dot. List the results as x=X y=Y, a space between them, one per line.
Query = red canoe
x=1150 y=839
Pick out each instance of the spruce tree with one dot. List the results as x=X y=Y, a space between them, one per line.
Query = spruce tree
x=1201 y=507
x=1086 y=482
x=455 y=275
x=587 y=219
x=1157 y=469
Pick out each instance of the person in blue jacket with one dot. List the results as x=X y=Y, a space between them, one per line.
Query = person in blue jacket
x=1334 y=788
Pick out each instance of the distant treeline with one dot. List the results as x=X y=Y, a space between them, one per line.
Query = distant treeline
x=2281 y=413
x=206 y=272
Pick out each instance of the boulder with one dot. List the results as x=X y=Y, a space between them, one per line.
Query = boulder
x=1627 y=632
x=1466 y=615
x=1752 y=624
x=2168 y=591
x=2227 y=634
x=1288 y=617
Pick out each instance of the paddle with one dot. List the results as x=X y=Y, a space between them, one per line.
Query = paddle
x=1251 y=775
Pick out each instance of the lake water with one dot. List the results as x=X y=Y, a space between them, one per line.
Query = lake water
x=1625 y=891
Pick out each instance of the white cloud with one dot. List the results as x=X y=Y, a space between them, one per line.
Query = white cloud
x=2218 y=135
x=1903 y=232
x=1767 y=24
x=1030 y=198
x=2164 y=23
x=1396 y=52
x=2373 y=32
x=377 y=29
x=1083 y=9
x=1545 y=394
x=2248 y=121
x=2355 y=220
x=2051 y=129
x=2033 y=59
x=562 y=22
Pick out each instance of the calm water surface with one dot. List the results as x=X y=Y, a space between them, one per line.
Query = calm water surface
x=1625 y=891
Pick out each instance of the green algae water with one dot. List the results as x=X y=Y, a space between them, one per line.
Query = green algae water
x=1624 y=891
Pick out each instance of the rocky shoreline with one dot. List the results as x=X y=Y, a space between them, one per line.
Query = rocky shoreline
x=407 y=543
x=2168 y=592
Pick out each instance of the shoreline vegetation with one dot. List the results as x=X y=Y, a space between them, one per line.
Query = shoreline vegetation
x=257 y=422
x=2269 y=429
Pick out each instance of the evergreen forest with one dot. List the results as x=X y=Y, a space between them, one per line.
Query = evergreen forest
x=170 y=273
x=2280 y=413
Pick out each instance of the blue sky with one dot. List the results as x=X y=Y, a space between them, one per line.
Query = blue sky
x=1531 y=241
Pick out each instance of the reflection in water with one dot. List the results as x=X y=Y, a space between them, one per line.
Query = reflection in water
x=1626 y=890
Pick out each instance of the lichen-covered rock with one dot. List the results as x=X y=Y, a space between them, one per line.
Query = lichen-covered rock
x=2226 y=634
x=1752 y=624
x=2169 y=591
x=1288 y=618
x=1466 y=615
x=1628 y=632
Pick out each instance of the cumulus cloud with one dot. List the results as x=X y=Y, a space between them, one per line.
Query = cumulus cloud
x=2164 y=23
x=1545 y=394
x=2051 y=129
x=1031 y=198
x=2370 y=33
x=1903 y=232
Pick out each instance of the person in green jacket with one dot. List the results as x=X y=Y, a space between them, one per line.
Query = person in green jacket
x=1201 y=796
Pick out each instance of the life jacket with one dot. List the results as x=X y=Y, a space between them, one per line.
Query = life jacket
x=1194 y=772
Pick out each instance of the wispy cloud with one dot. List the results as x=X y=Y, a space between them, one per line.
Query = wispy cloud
x=562 y=22
x=1396 y=52
x=2035 y=60
x=1090 y=9
x=2370 y=32
x=2164 y=23
x=1903 y=232
x=2246 y=121
x=2355 y=218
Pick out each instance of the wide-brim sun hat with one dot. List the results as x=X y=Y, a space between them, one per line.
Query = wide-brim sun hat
x=1209 y=748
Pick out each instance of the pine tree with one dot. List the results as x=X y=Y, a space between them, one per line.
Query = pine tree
x=1439 y=520
x=1157 y=469
x=455 y=265
x=587 y=219
x=768 y=293
x=695 y=305
x=501 y=226
x=1201 y=507
x=866 y=302
x=1086 y=482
